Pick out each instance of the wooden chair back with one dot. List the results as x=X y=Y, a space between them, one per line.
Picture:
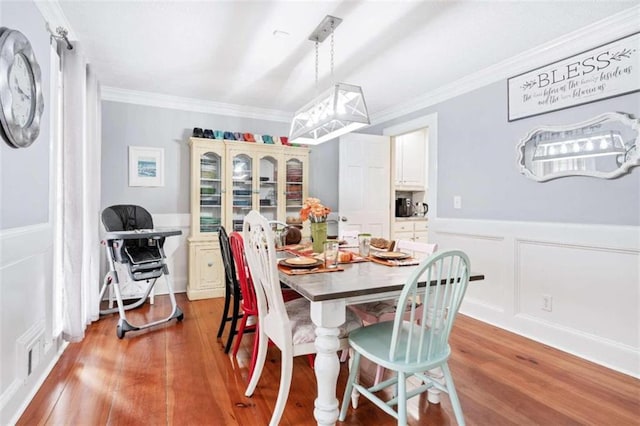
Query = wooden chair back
x=249 y=303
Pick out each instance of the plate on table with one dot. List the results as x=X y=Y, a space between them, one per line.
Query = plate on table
x=391 y=255
x=301 y=262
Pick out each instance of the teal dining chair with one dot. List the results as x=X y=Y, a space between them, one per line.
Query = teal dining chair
x=385 y=310
x=416 y=341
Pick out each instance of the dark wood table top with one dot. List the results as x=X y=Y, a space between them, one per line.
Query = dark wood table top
x=357 y=280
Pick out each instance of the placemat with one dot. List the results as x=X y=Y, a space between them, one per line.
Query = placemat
x=318 y=270
x=405 y=262
x=356 y=258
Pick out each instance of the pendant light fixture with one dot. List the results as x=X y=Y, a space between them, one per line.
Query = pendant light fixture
x=339 y=110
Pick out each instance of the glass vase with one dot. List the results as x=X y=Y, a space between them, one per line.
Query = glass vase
x=318 y=235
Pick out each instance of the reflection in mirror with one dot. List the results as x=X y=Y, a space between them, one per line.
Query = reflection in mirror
x=605 y=146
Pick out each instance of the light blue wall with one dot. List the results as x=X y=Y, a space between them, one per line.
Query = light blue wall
x=323 y=173
x=477 y=161
x=24 y=172
x=26 y=259
x=126 y=124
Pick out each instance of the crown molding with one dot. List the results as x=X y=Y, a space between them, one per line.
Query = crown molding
x=115 y=94
x=52 y=13
x=611 y=28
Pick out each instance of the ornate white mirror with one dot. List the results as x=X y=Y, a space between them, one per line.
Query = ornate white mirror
x=606 y=146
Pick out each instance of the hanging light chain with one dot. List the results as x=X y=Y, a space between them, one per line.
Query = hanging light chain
x=317 y=63
x=332 y=49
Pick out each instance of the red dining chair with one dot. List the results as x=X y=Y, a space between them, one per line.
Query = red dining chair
x=249 y=305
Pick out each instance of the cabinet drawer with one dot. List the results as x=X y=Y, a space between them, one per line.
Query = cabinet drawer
x=403 y=227
x=421 y=226
x=407 y=236
x=421 y=237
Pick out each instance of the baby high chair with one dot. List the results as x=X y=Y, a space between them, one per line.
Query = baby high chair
x=130 y=240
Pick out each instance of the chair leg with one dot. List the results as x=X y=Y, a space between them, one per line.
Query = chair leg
x=254 y=354
x=379 y=374
x=286 y=372
x=263 y=344
x=353 y=371
x=225 y=311
x=234 y=322
x=355 y=394
x=312 y=360
x=241 y=327
x=453 y=395
x=402 y=398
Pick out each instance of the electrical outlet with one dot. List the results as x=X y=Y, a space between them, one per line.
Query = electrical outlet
x=457 y=202
x=547 y=302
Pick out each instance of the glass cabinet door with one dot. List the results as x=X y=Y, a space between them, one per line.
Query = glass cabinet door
x=268 y=189
x=242 y=194
x=294 y=186
x=210 y=192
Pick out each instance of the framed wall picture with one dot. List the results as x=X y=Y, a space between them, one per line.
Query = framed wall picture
x=146 y=166
x=606 y=71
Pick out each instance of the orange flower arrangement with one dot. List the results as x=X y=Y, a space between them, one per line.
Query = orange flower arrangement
x=314 y=210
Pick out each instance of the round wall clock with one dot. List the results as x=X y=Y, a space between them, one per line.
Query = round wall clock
x=21 y=101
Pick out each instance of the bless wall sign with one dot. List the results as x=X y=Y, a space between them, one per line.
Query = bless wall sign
x=606 y=71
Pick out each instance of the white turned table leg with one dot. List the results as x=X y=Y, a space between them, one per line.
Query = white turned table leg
x=327 y=316
x=433 y=394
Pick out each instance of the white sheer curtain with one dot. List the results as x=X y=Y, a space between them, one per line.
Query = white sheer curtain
x=80 y=201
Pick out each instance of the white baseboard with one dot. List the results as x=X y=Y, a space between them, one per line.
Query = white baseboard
x=15 y=400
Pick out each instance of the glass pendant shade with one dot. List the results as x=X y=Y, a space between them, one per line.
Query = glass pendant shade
x=337 y=111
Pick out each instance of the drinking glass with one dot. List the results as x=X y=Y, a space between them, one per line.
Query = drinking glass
x=364 y=244
x=331 y=250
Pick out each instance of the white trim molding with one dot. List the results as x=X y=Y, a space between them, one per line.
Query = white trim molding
x=158 y=100
x=605 y=30
x=589 y=272
x=52 y=13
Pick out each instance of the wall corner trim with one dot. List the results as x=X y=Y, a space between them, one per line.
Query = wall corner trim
x=53 y=14
x=115 y=94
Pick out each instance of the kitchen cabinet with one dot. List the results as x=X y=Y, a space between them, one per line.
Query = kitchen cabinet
x=229 y=179
x=410 y=161
x=411 y=230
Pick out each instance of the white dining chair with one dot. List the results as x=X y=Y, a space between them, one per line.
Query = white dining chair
x=411 y=347
x=350 y=237
x=288 y=325
x=385 y=310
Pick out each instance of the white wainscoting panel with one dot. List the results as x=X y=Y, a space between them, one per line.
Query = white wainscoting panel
x=591 y=272
x=592 y=288
x=176 y=250
x=483 y=250
x=26 y=280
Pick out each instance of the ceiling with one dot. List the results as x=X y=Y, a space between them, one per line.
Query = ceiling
x=226 y=51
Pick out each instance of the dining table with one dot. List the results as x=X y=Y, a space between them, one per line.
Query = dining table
x=329 y=294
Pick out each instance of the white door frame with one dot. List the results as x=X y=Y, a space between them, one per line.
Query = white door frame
x=431 y=122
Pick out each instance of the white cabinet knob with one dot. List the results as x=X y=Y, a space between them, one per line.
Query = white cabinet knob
x=210 y=264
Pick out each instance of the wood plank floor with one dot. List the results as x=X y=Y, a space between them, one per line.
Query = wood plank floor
x=178 y=374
